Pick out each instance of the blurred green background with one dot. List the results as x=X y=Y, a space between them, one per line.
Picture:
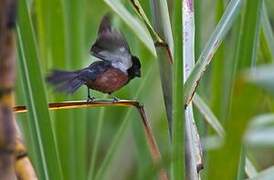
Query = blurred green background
x=110 y=141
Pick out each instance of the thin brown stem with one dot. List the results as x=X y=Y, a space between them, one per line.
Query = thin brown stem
x=154 y=150
x=82 y=104
x=153 y=147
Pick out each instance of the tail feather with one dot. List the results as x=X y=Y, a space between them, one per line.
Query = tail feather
x=58 y=76
x=65 y=81
x=70 y=86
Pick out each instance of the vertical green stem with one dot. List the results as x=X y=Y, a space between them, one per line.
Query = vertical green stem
x=241 y=170
x=39 y=122
x=178 y=150
x=75 y=29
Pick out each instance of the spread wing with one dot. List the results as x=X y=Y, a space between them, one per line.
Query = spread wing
x=111 y=45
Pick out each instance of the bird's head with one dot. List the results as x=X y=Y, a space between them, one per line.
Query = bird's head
x=135 y=69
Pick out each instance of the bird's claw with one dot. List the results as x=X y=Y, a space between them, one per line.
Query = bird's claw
x=115 y=99
x=90 y=99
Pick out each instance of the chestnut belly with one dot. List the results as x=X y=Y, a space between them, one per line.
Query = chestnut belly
x=109 y=81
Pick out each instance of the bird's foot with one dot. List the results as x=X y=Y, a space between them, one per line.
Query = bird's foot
x=115 y=99
x=90 y=99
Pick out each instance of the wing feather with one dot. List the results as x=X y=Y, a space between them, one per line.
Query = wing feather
x=111 y=45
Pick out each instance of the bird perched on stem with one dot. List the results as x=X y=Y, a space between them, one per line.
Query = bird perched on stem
x=116 y=67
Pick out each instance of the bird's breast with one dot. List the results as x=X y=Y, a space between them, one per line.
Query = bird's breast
x=109 y=81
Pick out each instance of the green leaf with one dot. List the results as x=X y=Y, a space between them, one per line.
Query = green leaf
x=266 y=174
x=178 y=145
x=77 y=54
x=244 y=99
x=40 y=124
x=211 y=119
x=218 y=66
x=161 y=23
x=261 y=131
x=262 y=76
x=96 y=142
x=142 y=14
x=54 y=55
x=208 y=115
x=231 y=12
x=250 y=168
x=248 y=39
x=267 y=31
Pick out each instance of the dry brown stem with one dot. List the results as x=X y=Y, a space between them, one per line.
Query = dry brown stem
x=154 y=150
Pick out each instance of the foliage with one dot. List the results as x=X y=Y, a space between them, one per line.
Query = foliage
x=234 y=102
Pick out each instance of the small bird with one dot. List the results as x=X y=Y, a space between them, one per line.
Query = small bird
x=114 y=70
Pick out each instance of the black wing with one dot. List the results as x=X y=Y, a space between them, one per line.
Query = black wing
x=111 y=45
x=95 y=69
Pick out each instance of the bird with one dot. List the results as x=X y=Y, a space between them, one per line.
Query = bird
x=114 y=69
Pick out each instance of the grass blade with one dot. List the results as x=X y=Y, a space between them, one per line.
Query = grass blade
x=267 y=31
x=211 y=119
x=142 y=14
x=215 y=40
x=162 y=26
x=52 y=46
x=178 y=147
x=75 y=34
x=250 y=169
x=96 y=142
x=162 y=22
x=260 y=132
x=242 y=101
x=218 y=66
x=266 y=174
x=208 y=115
x=242 y=162
x=262 y=76
x=41 y=127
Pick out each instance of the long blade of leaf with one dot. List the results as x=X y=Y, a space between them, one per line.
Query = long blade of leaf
x=246 y=55
x=261 y=131
x=41 y=126
x=266 y=174
x=215 y=40
x=250 y=169
x=142 y=14
x=211 y=119
x=208 y=115
x=96 y=142
x=262 y=76
x=75 y=34
x=52 y=46
x=178 y=145
x=218 y=80
x=162 y=25
x=267 y=31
